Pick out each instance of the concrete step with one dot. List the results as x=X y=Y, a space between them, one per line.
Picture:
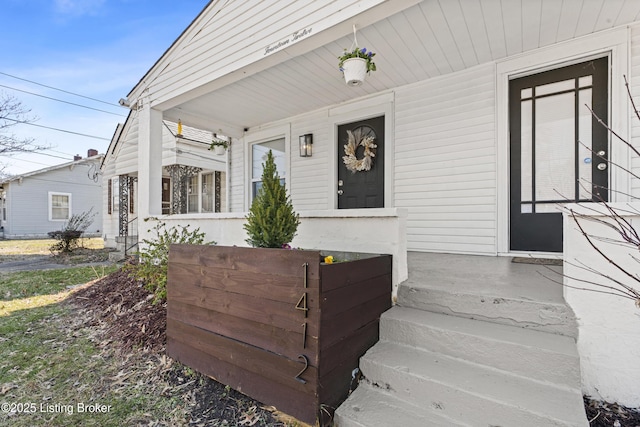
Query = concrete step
x=546 y=316
x=533 y=354
x=371 y=406
x=468 y=392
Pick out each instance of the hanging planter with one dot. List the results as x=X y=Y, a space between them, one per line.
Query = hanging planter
x=218 y=146
x=356 y=63
x=355 y=71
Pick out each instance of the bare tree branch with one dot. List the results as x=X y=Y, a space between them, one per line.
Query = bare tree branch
x=13 y=113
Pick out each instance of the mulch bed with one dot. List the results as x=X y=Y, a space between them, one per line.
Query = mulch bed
x=603 y=414
x=123 y=309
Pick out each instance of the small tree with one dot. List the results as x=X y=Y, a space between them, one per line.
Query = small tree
x=68 y=237
x=271 y=221
x=615 y=219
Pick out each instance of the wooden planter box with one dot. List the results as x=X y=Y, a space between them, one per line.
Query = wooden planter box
x=277 y=325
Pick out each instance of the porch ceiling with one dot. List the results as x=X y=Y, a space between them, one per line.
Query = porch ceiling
x=432 y=38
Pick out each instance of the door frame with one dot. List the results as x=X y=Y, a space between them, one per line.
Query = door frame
x=615 y=45
x=365 y=108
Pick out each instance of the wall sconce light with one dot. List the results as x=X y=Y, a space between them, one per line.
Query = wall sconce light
x=306 y=144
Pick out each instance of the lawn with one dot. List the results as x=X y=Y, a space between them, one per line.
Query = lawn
x=41 y=246
x=56 y=369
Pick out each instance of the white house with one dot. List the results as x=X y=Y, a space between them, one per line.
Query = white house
x=41 y=201
x=194 y=178
x=478 y=110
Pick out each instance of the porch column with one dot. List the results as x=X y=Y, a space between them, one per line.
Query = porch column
x=123 y=209
x=149 y=160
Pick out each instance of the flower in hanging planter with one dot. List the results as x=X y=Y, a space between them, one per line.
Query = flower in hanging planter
x=358 y=53
x=217 y=142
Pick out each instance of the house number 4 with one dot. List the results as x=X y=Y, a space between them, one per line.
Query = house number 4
x=302 y=305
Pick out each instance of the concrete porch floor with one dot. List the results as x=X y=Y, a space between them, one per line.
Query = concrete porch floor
x=486 y=275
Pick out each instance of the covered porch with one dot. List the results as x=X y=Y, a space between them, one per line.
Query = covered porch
x=441 y=93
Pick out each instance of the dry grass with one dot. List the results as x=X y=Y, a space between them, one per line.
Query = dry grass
x=54 y=359
x=14 y=250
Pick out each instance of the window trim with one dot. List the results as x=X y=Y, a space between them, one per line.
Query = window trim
x=202 y=193
x=262 y=136
x=58 y=193
x=196 y=186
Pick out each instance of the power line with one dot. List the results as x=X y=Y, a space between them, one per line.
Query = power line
x=59 y=152
x=14 y=153
x=56 y=129
x=29 y=161
x=60 y=90
x=51 y=155
x=60 y=100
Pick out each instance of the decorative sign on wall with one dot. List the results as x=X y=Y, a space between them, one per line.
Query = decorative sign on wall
x=281 y=44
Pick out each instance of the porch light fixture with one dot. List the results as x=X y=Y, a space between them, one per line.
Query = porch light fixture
x=306 y=144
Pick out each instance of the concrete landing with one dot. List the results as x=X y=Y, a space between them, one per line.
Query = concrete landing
x=485 y=275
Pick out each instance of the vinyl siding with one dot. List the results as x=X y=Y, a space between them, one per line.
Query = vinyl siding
x=125 y=157
x=445 y=162
x=229 y=36
x=634 y=121
x=28 y=208
x=310 y=175
x=237 y=178
x=109 y=220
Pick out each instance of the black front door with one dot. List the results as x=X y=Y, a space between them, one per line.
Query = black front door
x=558 y=150
x=361 y=164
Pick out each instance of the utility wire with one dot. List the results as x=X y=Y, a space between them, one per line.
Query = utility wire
x=28 y=161
x=59 y=152
x=15 y=153
x=51 y=155
x=61 y=90
x=60 y=100
x=56 y=129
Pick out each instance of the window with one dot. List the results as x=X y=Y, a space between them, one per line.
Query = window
x=259 y=156
x=59 y=206
x=207 y=192
x=193 y=196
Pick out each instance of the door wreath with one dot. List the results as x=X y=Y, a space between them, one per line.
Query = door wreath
x=356 y=138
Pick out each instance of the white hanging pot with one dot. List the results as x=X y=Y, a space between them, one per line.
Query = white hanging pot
x=219 y=149
x=355 y=70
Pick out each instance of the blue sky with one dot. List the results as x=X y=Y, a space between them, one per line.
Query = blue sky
x=96 y=48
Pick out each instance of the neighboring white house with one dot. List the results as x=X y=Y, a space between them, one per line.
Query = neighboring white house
x=193 y=179
x=478 y=109
x=41 y=201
